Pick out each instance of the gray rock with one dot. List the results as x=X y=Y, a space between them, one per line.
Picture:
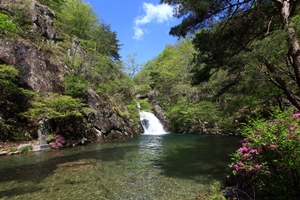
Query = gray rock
x=23 y=146
x=40 y=147
x=3 y=153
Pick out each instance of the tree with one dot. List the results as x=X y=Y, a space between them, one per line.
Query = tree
x=77 y=18
x=231 y=29
x=54 y=4
x=131 y=66
x=55 y=107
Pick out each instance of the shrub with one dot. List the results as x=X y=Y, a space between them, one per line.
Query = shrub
x=56 y=141
x=144 y=105
x=55 y=106
x=269 y=159
x=7 y=27
x=75 y=86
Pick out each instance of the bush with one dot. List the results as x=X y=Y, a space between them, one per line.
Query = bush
x=55 y=106
x=269 y=159
x=144 y=105
x=75 y=86
x=7 y=27
x=56 y=141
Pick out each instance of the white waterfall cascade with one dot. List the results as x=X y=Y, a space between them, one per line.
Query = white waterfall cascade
x=151 y=124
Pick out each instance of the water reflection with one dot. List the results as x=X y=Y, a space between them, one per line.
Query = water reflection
x=39 y=165
x=151 y=149
x=201 y=160
x=152 y=144
x=149 y=167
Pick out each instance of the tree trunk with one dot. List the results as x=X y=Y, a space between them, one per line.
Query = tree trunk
x=293 y=53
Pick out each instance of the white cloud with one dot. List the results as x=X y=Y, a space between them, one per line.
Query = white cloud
x=138 y=33
x=154 y=13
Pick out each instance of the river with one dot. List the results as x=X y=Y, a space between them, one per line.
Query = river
x=149 y=167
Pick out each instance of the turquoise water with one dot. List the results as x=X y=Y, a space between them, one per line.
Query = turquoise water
x=148 y=167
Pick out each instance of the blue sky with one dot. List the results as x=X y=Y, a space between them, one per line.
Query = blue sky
x=141 y=26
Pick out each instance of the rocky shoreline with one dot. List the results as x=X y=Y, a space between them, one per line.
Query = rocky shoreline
x=13 y=148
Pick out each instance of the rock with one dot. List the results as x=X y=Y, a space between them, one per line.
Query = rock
x=40 y=147
x=32 y=64
x=13 y=153
x=3 y=153
x=160 y=114
x=42 y=71
x=110 y=125
x=40 y=16
x=21 y=147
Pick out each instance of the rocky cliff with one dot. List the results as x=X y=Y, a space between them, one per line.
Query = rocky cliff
x=42 y=70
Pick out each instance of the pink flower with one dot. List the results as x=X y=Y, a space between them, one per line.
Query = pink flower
x=297 y=115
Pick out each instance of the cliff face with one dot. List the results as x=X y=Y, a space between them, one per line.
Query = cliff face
x=42 y=70
x=34 y=63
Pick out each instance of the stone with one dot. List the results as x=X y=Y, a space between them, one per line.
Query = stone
x=22 y=146
x=3 y=153
x=13 y=153
x=40 y=147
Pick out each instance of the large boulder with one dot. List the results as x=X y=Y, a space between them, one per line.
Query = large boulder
x=109 y=123
x=37 y=71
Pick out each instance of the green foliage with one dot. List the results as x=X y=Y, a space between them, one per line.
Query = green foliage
x=167 y=80
x=8 y=89
x=232 y=37
x=21 y=20
x=144 y=105
x=55 y=106
x=8 y=75
x=88 y=49
x=143 y=78
x=25 y=148
x=184 y=115
x=54 y=4
x=5 y=131
x=143 y=90
x=75 y=86
x=133 y=114
x=50 y=137
x=269 y=159
x=7 y=27
x=13 y=99
x=131 y=67
x=77 y=18
x=216 y=194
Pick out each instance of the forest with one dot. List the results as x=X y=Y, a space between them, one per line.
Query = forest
x=234 y=60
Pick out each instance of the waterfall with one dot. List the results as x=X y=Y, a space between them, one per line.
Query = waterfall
x=151 y=124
